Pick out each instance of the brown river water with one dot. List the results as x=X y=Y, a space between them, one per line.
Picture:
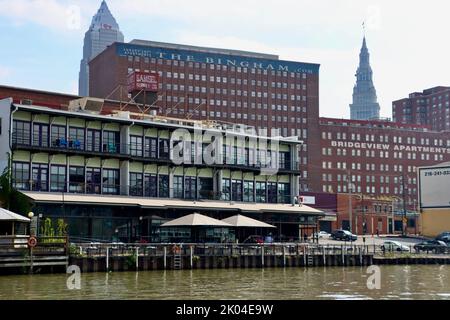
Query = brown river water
x=397 y=282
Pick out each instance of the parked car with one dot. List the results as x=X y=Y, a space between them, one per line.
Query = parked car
x=343 y=235
x=444 y=236
x=436 y=246
x=394 y=246
x=321 y=234
x=254 y=239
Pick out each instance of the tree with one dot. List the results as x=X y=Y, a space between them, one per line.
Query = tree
x=10 y=198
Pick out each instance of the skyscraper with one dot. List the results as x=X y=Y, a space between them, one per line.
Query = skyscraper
x=365 y=105
x=103 y=31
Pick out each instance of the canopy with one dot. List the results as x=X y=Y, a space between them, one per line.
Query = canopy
x=6 y=215
x=243 y=221
x=196 y=219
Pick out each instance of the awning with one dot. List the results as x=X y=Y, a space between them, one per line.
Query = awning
x=6 y=215
x=196 y=220
x=329 y=216
x=159 y=203
x=243 y=221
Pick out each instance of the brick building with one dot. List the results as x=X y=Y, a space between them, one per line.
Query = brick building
x=376 y=159
x=250 y=88
x=430 y=107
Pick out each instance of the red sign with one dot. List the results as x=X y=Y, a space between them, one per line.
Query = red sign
x=138 y=81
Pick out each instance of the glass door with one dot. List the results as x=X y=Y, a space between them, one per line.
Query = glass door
x=40 y=177
x=40 y=134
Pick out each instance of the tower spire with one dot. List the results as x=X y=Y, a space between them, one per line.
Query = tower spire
x=365 y=105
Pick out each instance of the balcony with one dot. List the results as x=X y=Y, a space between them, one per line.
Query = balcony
x=23 y=140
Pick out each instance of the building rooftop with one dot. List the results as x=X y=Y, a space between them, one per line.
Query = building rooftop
x=230 y=52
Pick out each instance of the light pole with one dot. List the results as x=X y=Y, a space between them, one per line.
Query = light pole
x=350 y=209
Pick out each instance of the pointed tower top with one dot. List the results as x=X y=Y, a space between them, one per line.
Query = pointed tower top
x=104 y=19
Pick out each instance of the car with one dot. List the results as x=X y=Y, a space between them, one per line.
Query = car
x=343 y=235
x=321 y=234
x=394 y=246
x=436 y=246
x=444 y=236
x=254 y=239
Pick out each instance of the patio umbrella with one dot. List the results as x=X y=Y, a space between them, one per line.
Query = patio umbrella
x=239 y=221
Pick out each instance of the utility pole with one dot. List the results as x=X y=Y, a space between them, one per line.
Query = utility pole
x=350 y=209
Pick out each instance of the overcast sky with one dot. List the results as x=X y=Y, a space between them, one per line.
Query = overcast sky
x=409 y=43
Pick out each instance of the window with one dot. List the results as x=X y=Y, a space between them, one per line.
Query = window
x=93 y=140
x=21 y=175
x=58 y=136
x=226 y=189
x=76 y=138
x=111 y=181
x=58 y=178
x=21 y=135
x=76 y=179
x=164 y=147
x=190 y=188
x=136 y=189
x=93 y=180
x=248 y=191
x=272 y=192
x=136 y=146
x=40 y=135
x=163 y=186
x=261 y=192
x=284 y=193
x=236 y=189
x=178 y=187
x=39 y=177
x=111 y=142
x=206 y=188
x=151 y=148
x=150 y=186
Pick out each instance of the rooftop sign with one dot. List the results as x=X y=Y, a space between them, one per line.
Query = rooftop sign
x=125 y=49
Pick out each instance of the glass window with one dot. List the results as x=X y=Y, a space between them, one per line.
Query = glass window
x=206 y=188
x=284 y=193
x=248 y=191
x=163 y=186
x=58 y=178
x=261 y=192
x=93 y=141
x=151 y=148
x=226 y=190
x=76 y=179
x=39 y=177
x=58 y=136
x=76 y=138
x=164 y=147
x=136 y=146
x=111 y=142
x=178 y=187
x=40 y=134
x=272 y=192
x=151 y=186
x=21 y=132
x=111 y=181
x=136 y=189
x=93 y=180
x=190 y=188
x=236 y=187
x=21 y=175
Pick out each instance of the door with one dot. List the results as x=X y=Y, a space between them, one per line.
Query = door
x=93 y=140
x=40 y=177
x=40 y=134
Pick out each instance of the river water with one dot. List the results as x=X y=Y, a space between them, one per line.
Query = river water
x=397 y=282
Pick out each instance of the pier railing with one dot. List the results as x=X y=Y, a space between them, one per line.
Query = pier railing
x=215 y=249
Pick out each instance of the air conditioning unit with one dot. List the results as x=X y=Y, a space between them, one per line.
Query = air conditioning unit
x=26 y=102
x=87 y=104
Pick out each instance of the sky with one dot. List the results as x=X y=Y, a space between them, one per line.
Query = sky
x=41 y=40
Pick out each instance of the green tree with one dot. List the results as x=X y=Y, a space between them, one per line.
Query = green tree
x=10 y=198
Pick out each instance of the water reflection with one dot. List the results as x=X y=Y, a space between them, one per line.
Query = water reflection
x=397 y=282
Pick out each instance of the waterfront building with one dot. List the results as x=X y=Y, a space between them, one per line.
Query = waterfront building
x=431 y=107
x=114 y=174
x=365 y=105
x=103 y=31
x=254 y=89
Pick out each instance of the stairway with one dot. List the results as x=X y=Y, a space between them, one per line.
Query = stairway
x=177 y=262
x=310 y=261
